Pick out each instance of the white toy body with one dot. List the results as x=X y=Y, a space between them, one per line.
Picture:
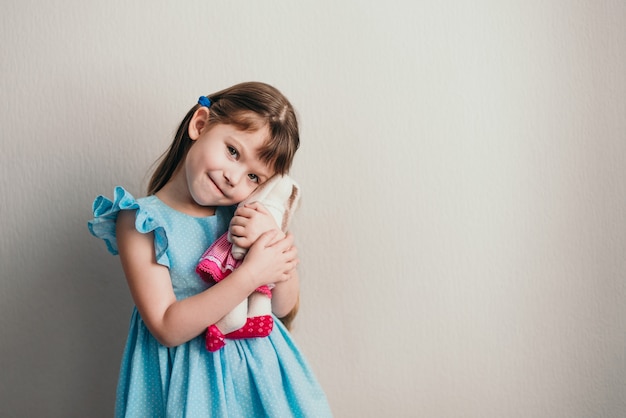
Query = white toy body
x=280 y=195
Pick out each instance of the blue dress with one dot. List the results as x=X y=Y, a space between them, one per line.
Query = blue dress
x=246 y=378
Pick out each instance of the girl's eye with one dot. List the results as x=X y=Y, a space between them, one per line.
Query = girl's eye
x=232 y=151
x=253 y=177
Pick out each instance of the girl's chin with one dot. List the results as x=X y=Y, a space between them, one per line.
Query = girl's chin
x=207 y=194
x=204 y=199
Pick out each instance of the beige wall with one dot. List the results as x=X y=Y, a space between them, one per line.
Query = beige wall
x=463 y=232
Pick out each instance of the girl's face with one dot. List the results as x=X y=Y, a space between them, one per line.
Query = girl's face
x=222 y=167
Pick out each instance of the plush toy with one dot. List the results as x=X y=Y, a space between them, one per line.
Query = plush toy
x=252 y=318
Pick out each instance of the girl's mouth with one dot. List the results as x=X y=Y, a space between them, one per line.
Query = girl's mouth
x=216 y=186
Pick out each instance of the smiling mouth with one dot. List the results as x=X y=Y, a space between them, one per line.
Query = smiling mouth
x=216 y=186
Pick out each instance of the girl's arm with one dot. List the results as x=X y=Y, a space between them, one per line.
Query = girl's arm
x=285 y=295
x=246 y=226
x=173 y=322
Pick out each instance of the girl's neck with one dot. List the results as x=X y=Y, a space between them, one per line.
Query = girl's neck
x=177 y=196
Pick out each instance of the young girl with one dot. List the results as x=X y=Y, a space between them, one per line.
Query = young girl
x=226 y=145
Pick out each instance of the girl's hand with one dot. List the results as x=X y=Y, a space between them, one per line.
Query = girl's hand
x=270 y=260
x=249 y=222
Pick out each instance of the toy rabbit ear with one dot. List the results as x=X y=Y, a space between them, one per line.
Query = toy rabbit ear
x=291 y=206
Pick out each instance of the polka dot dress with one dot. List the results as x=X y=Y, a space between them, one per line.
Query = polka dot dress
x=251 y=377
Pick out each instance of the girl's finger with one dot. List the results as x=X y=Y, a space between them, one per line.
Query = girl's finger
x=286 y=242
x=266 y=238
x=237 y=230
x=239 y=220
x=256 y=206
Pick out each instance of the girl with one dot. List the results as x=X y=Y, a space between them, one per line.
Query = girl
x=226 y=145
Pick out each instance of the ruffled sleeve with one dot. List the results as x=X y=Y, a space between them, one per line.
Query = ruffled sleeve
x=105 y=212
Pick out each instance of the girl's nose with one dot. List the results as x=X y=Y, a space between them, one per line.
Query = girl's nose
x=233 y=176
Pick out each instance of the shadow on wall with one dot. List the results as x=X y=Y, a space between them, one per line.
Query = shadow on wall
x=67 y=329
x=64 y=301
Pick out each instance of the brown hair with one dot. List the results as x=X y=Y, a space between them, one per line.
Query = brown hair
x=248 y=106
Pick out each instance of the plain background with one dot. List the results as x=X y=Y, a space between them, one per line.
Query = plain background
x=463 y=229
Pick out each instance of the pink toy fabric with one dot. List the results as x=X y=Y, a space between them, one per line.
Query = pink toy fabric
x=218 y=262
x=258 y=326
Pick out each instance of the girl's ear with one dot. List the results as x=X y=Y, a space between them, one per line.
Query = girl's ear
x=199 y=121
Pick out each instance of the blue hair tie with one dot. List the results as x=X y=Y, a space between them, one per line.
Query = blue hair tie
x=204 y=101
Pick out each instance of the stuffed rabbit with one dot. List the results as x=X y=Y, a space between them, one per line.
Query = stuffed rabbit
x=252 y=318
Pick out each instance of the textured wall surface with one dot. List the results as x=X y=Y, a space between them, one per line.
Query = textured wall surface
x=463 y=230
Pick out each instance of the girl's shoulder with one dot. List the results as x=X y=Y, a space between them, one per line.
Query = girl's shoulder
x=151 y=215
x=105 y=212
